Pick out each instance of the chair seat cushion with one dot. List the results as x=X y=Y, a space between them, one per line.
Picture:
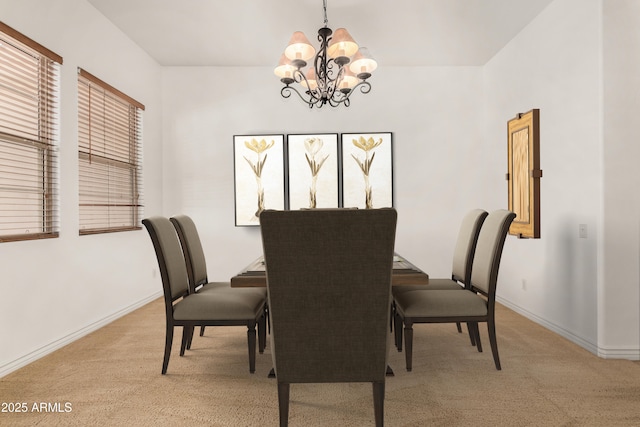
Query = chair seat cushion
x=228 y=304
x=440 y=303
x=213 y=286
x=433 y=285
x=226 y=286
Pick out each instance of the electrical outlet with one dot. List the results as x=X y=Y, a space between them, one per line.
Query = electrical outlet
x=582 y=231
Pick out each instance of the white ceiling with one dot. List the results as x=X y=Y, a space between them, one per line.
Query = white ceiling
x=255 y=32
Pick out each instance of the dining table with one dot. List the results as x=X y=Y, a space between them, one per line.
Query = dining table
x=403 y=273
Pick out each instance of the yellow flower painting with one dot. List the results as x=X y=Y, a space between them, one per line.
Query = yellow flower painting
x=368 y=146
x=259 y=148
x=367 y=170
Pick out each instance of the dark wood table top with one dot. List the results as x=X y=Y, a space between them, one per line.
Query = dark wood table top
x=404 y=273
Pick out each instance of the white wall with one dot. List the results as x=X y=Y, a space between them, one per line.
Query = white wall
x=585 y=289
x=554 y=65
x=619 y=332
x=434 y=114
x=55 y=290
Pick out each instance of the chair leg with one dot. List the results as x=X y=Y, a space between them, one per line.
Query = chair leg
x=472 y=337
x=283 y=403
x=268 y=317
x=167 y=347
x=378 y=403
x=491 y=327
x=392 y=315
x=190 y=340
x=408 y=343
x=187 y=331
x=262 y=334
x=251 y=338
x=476 y=334
x=459 y=327
x=201 y=332
x=398 y=334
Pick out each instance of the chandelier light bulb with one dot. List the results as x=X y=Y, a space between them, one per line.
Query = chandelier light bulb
x=342 y=44
x=363 y=63
x=299 y=48
x=284 y=70
x=348 y=81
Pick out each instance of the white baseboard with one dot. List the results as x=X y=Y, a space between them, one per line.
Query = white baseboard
x=58 y=344
x=619 y=353
x=610 y=353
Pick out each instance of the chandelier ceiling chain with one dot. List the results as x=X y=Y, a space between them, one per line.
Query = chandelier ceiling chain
x=339 y=67
x=324 y=8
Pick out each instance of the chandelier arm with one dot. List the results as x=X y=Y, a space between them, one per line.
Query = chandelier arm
x=299 y=77
x=334 y=102
x=343 y=98
x=365 y=87
x=286 y=93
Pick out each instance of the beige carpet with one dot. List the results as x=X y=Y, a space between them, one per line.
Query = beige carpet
x=112 y=378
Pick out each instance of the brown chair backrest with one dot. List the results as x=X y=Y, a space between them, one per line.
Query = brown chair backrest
x=192 y=249
x=170 y=259
x=486 y=262
x=466 y=245
x=329 y=283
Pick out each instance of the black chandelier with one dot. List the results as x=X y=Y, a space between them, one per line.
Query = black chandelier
x=339 y=68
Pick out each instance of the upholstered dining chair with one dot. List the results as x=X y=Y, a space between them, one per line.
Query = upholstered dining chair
x=197 y=267
x=199 y=309
x=474 y=304
x=329 y=285
x=464 y=250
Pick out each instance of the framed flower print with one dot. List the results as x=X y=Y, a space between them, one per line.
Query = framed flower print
x=259 y=176
x=312 y=161
x=367 y=170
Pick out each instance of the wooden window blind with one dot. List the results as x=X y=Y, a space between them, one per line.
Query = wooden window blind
x=110 y=157
x=29 y=134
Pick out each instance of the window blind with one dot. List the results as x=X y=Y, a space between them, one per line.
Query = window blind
x=29 y=133
x=110 y=157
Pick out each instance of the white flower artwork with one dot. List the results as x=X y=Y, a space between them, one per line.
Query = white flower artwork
x=313 y=171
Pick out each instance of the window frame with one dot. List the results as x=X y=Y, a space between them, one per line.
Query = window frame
x=110 y=175
x=29 y=139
